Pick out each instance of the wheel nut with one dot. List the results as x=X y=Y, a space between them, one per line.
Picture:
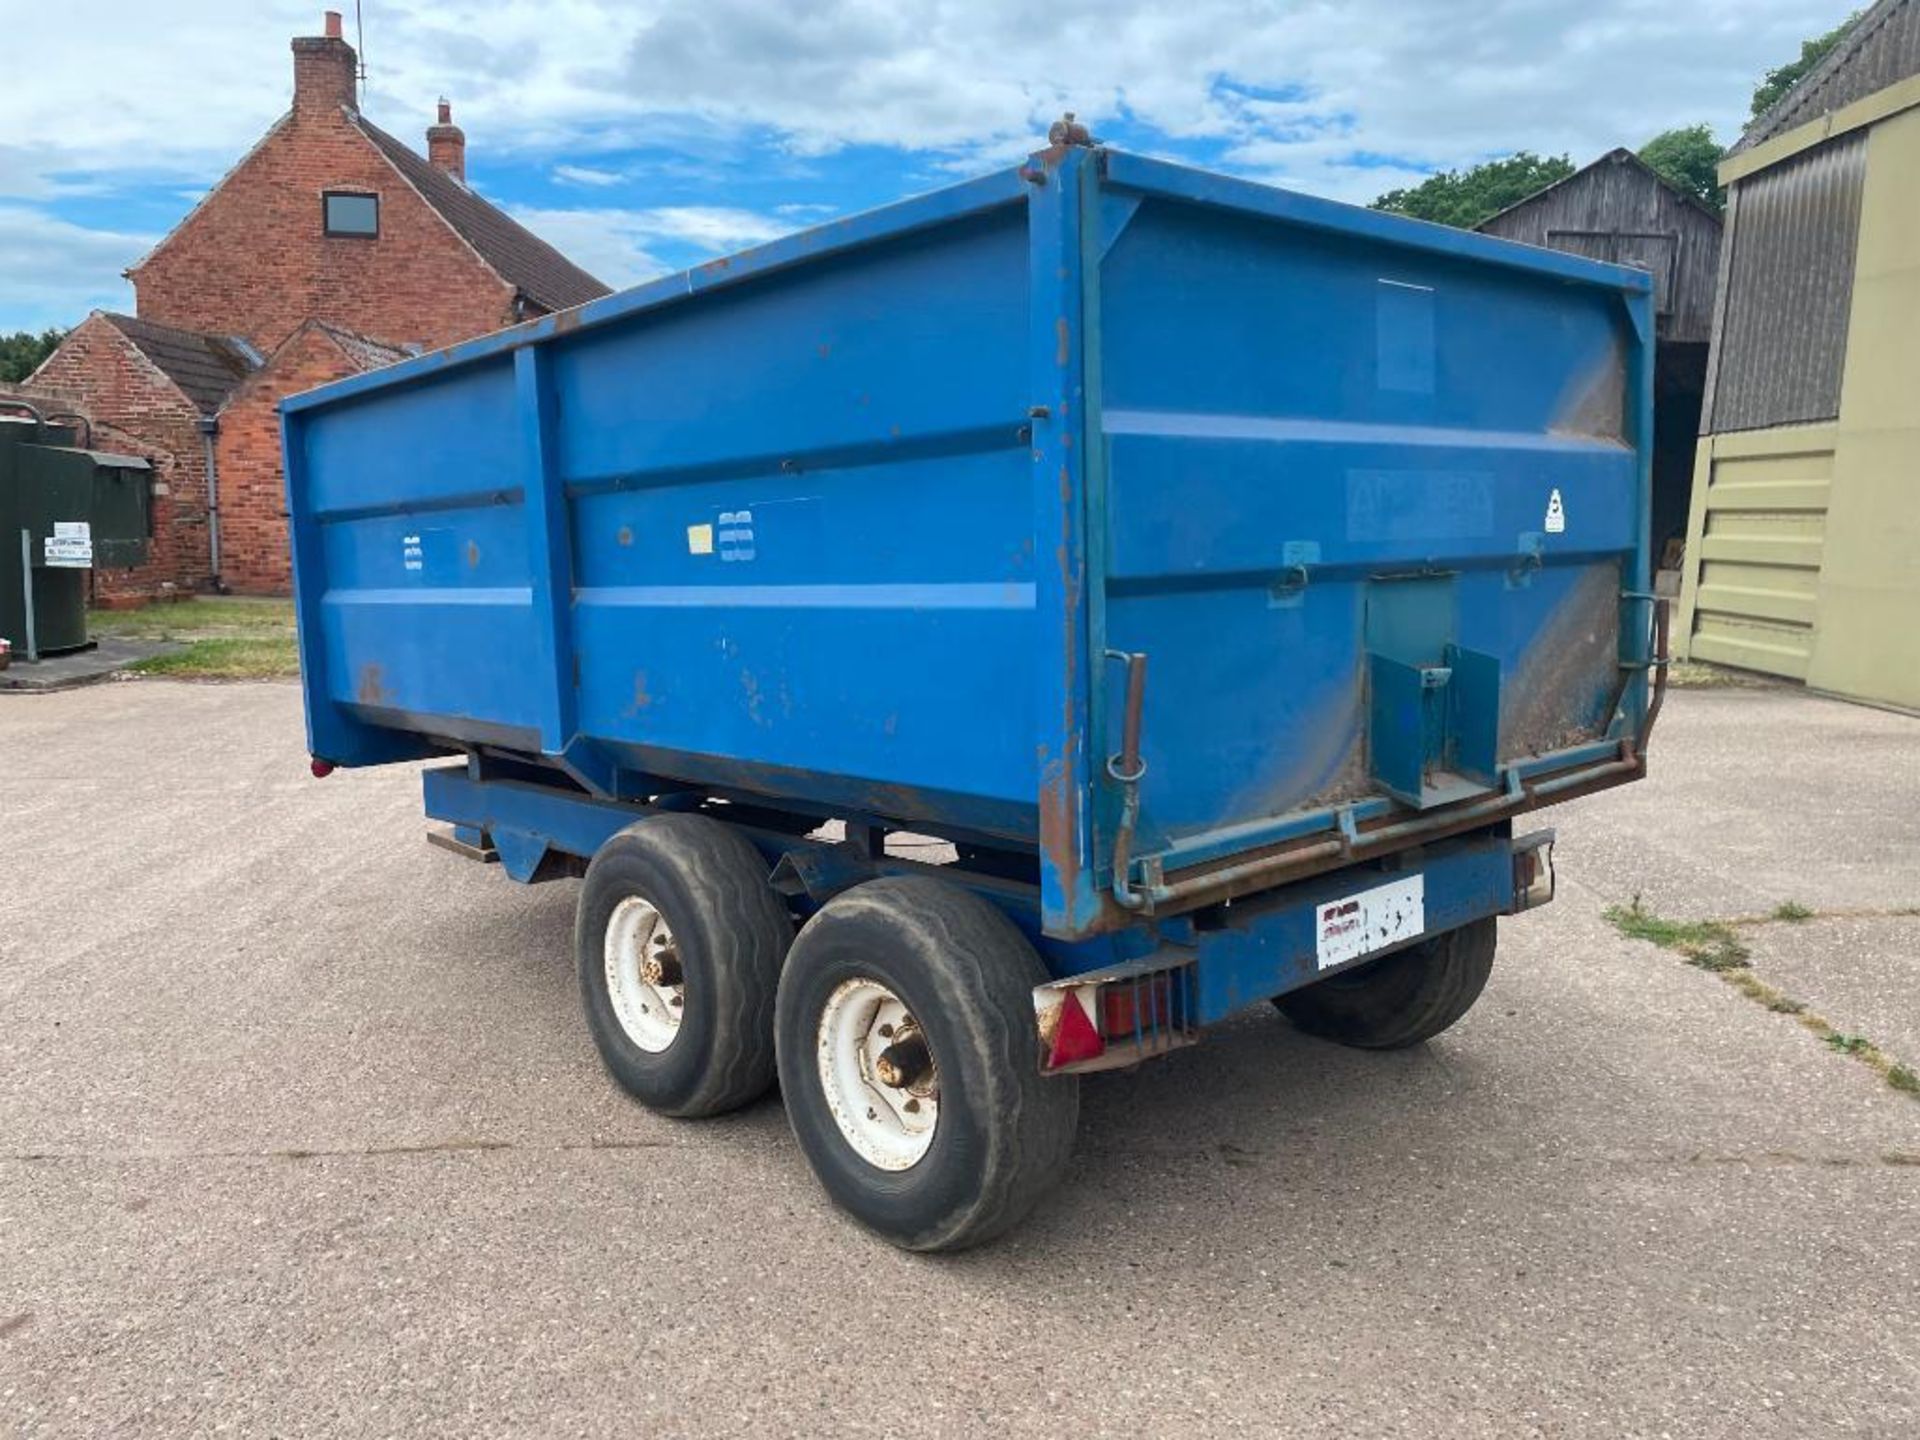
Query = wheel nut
x=903 y=1063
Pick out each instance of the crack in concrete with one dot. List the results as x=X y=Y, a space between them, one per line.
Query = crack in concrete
x=1710 y=945
x=368 y=1152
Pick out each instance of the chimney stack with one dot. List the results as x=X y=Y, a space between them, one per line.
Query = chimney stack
x=447 y=144
x=325 y=71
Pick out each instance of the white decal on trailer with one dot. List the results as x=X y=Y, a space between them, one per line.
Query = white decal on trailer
x=1372 y=920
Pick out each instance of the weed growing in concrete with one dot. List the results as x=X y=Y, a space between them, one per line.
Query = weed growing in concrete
x=1708 y=944
x=1791 y=911
x=1712 y=945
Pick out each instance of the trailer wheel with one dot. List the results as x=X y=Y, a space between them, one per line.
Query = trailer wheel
x=678 y=939
x=1400 y=999
x=910 y=1064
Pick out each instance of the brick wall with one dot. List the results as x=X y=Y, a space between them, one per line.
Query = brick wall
x=135 y=408
x=254 y=259
x=254 y=557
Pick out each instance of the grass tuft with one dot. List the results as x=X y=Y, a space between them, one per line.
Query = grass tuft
x=1712 y=945
x=227 y=657
x=1792 y=911
x=194 y=619
x=1707 y=944
x=225 y=639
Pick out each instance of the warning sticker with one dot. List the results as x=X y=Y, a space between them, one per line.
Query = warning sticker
x=1556 y=515
x=699 y=539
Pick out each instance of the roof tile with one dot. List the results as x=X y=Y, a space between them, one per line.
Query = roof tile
x=520 y=257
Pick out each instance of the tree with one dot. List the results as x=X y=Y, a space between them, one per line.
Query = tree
x=1689 y=157
x=1466 y=197
x=1785 y=77
x=22 y=352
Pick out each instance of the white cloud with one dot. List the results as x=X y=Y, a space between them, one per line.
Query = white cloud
x=1340 y=97
x=618 y=245
x=587 y=175
x=53 y=272
x=1428 y=80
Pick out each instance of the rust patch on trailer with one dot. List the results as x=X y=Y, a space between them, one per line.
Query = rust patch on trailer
x=642 y=699
x=473 y=554
x=1056 y=825
x=1063 y=342
x=372 y=689
x=566 y=320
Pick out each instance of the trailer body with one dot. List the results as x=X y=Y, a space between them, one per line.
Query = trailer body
x=1222 y=570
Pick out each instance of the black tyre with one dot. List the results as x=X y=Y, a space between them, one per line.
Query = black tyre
x=1402 y=998
x=679 y=940
x=910 y=1065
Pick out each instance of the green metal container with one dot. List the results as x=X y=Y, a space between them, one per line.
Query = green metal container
x=64 y=509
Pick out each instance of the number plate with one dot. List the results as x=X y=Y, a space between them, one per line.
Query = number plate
x=1371 y=920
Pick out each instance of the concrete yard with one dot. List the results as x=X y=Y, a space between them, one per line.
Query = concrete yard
x=301 y=1132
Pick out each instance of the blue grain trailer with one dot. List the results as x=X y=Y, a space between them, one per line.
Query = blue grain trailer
x=1221 y=573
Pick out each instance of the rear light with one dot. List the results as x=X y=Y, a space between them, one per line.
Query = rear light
x=1532 y=871
x=1126 y=1008
x=320 y=768
x=1118 y=1017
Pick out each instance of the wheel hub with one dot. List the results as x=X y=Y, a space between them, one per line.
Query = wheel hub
x=878 y=1075
x=644 y=977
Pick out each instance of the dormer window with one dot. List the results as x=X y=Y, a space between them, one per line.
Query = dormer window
x=348 y=213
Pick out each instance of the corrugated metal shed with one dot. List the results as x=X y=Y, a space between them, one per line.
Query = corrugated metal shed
x=1882 y=48
x=1782 y=341
x=1801 y=545
x=1619 y=209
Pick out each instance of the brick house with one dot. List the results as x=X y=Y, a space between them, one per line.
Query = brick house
x=331 y=247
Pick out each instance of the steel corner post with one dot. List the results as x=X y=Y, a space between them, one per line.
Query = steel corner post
x=1059 y=179
x=549 y=548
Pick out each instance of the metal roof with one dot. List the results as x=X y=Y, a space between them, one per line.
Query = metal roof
x=1882 y=49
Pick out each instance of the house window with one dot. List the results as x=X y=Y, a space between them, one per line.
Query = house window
x=349 y=214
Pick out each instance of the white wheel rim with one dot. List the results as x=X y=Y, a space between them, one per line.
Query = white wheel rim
x=889 y=1126
x=638 y=944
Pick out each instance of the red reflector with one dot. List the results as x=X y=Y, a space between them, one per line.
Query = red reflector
x=1075 y=1039
x=321 y=768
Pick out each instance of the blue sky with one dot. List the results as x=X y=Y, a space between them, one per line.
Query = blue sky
x=648 y=135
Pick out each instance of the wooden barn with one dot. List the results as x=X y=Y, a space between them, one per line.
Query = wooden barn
x=1620 y=210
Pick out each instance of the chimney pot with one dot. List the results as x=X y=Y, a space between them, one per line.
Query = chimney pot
x=325 y=71
x=447 y=144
